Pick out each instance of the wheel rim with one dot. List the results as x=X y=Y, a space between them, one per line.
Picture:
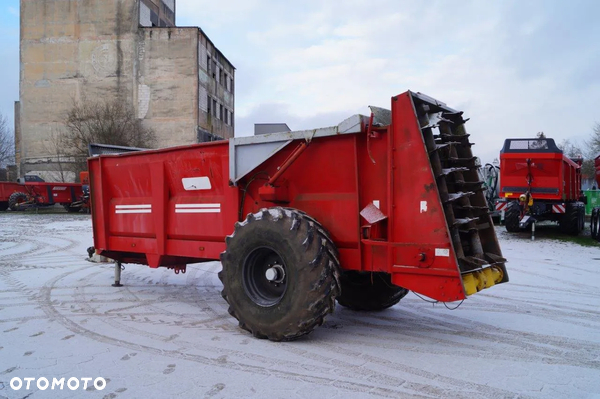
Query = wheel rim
x=264 y=276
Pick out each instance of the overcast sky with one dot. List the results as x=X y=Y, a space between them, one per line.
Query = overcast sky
x=514 y=67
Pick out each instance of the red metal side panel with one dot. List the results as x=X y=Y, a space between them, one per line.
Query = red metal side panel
x=417 y=218
x=58 y=193
x=374 y=183
x=6 y=189
x=165 y=204
x=554 y=176
x=323 y=183
x=546 y=170
x=572 y=181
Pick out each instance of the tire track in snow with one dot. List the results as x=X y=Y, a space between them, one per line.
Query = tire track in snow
x=54 y=314
x=323 y=353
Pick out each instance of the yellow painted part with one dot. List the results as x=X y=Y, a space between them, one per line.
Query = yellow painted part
x=470 y=284
x=486 y=278
x=523 y=198
x=507 y=194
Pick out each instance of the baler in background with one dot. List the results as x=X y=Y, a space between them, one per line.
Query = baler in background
x=360 y=213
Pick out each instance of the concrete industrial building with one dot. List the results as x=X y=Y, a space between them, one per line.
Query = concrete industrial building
x=178 y=82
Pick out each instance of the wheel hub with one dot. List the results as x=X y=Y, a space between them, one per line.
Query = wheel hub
x=264 y=276
x=275 y=274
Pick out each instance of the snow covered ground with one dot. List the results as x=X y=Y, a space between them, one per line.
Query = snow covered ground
x=166 y=335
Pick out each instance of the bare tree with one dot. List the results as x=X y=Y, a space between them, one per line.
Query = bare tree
x=105 y=122
x=7 y=143
x=593 y=150
x=574 y=150
x=56 y=147
x=570 y=149
x=594 y=142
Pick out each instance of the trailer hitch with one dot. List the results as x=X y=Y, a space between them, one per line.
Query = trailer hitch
x=526 y=221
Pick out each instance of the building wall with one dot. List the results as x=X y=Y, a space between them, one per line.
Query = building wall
x=167 y=83
x=73 y=50
x=216 y=90
x=179 y=95
x=17 y=132
x=157 y=13
x=70 y=50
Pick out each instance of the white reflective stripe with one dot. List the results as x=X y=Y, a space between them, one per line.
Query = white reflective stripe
x=205 y=210
x=59 y=188
x=143 y=206
x=133 y=211
x=558 y=208
x=181 y=206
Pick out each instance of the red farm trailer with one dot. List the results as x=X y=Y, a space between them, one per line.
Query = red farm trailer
x=6 y=190
x=361 y=212
x=38 y=193
x=538 y=182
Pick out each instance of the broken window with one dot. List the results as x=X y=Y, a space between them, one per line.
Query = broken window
x=154 y=18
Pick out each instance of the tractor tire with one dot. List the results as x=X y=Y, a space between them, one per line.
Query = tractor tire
x=369 y=291
x=322 y=230
x=595 y=224
x=570 y=222
x=582 y=217
x=511 y=217
x=15 y=199
x=3 y=206
x=72 y=209
x=280 y=274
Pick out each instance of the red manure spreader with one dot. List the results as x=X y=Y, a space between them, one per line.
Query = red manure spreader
x=35 y=192
x=537 y=183
x=360 y=213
